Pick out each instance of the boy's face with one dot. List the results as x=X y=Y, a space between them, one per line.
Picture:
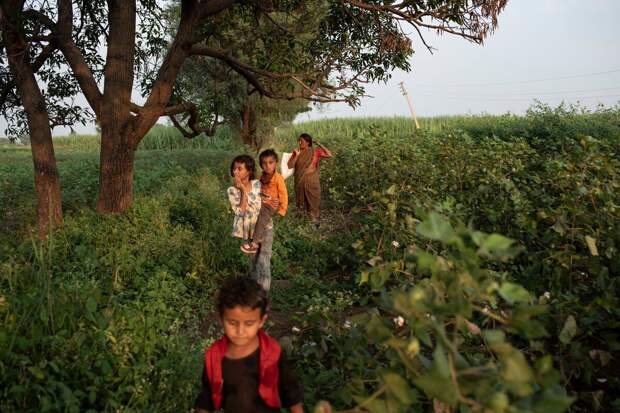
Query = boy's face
x=268 y=165
x=241 y=324
x=240 y=171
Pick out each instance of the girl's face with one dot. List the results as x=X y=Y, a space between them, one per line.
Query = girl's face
x=240 y=171
x=269 y=165
x=303 y=144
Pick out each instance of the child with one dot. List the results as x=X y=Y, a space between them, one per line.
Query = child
x=274 y=198
x=246 y=370
x=244 y=196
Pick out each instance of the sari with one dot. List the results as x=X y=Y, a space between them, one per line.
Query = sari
x=307 y=184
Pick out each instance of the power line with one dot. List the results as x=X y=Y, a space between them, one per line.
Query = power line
x=524 y=81
x=536 y=94
x=486 y=98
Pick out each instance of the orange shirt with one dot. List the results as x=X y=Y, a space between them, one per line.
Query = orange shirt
x=276 y=189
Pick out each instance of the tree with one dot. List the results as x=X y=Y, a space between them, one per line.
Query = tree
x=223 y=96
x=357 y=41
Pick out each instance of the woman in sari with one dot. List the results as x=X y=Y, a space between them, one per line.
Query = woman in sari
x=305 y=160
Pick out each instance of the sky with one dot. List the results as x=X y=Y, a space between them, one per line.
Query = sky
x=550 y=50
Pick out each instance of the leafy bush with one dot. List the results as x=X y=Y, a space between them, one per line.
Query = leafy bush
x=97 y=321
x=453 y=330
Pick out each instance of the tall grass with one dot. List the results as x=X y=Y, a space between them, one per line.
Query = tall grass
x=160 y=137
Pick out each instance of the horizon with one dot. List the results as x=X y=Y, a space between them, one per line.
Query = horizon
x=536 y=52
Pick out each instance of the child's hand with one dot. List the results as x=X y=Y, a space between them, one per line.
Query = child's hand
x=239 y=184
x=295 y=152
x=273 y=203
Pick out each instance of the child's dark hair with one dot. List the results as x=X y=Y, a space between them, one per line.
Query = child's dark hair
x=247 y=161
x=266 y=154
x=244 y=292
x=307 y=138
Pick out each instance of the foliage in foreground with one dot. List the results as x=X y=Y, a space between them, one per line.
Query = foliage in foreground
x=147 y=277
x=556 y=196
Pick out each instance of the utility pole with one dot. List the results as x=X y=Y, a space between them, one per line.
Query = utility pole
x=410 y=103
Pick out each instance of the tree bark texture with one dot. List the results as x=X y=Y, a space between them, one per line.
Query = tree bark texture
x=121 y=131
x=46 y=178
x=248 y=126
x=118 y=140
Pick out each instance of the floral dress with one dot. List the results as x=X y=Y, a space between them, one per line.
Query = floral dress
x=244 y=221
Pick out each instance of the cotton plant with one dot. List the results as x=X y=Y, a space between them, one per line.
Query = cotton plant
x=453 y=333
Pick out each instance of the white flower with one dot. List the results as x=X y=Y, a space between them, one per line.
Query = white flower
x=347 y=324
x=547 y=295
x=399 y=321
x=295 y=330
x=395 y=244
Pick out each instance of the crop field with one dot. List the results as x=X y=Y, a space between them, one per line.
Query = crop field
x=473 y=263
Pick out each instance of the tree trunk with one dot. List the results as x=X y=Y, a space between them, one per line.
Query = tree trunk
x=118 y=140
x=115 y=172
x=46 y=179
x=248 y=125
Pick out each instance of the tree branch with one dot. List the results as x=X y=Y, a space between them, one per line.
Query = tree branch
x=74 y=57
x=193 y=121
x=213 y=7
x=251 y=74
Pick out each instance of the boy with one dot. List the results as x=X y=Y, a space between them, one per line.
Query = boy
x=246 y=370
x=274 y=198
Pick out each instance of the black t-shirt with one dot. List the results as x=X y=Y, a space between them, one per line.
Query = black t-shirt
x=241 y=386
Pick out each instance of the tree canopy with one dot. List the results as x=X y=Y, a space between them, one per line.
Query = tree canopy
x=319 y=50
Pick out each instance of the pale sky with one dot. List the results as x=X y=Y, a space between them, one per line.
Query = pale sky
x=552 y=50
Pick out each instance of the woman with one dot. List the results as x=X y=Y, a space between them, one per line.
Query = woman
x=305 y=160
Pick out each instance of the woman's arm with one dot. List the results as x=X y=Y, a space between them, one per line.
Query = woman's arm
x=326 y=152
x=293 y=159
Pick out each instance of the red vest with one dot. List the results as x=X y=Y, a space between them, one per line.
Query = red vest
x=268 y=371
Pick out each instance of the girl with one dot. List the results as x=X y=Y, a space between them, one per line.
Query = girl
x=245 y=201
x=244 y=196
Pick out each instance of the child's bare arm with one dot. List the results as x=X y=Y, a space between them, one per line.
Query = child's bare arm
x=297 y=408
x=201 y=411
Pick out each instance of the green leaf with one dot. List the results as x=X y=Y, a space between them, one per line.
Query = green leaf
x=437 y=387
x=544 y=364
x=569 y=330
x=513 y=293
x=496 y=245
x=399 y=388
x=553 y=403
x=364 y=277
x=436 y=228
x=91 y=305
x=494 y=336
x=517 y=373
x=36 y=372
x=440 y=362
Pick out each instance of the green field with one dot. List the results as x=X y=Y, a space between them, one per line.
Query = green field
x=111 y=313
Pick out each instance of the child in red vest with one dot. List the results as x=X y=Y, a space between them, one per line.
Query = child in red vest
x=246 y=370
